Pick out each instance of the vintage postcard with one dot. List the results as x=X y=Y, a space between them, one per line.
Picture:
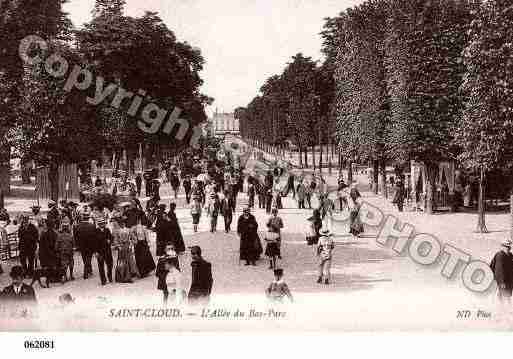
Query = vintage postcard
x=255 y=166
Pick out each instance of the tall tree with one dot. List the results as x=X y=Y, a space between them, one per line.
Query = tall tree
x=485 y=132
x=425 y=40
x=18 y=19
x=166 y=71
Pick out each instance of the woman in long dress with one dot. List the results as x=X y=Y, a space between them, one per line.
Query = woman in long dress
x=125 y=267
x=355 y=224
x=143 y=258
x=250 y=246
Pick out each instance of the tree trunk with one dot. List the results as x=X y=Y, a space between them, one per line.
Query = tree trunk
x=431 y=170
x=53 y=178
x=5 y=169
x=25 y=167
x=300 y=158
x=320 y=151
x=375 y=176
x=384 y=190
x=511 y=214
x=313 y=156
x=330 y=158
x=306 y=157
x=349 y=172
x=481 y=225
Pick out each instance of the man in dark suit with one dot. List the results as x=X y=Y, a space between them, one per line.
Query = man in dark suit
x=138 y=184
x=201 y=284
x=28 y=236
x=18 y=295
x=85 y=238
x=104 y=251
x=502 y=267
x=53 y=217
x=291 y=185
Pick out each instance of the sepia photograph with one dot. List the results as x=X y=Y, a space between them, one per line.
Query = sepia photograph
x=255 y=166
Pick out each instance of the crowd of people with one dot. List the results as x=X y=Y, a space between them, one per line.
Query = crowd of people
x=118 y=237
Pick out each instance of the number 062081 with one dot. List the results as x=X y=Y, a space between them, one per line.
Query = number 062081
x=39 y=344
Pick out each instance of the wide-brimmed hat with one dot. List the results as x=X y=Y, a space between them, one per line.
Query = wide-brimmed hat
x=325 y=232
x=66 y=298
x=16 y=272
x=51 y=203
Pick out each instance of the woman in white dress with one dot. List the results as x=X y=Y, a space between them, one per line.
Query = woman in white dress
x=174 y=287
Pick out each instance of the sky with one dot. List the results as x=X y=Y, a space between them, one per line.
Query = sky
x=243 y=41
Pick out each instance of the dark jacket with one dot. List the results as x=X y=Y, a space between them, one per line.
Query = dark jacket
x=47 y=252
x=161 y=271
x=226 y=208
x=28 y=237
x=85 y=237
x=26 y=294
x=132 y=215
x=186 y=185
x=502 y=267
x=103 y=242
x=175 y=181
x=54 y=218
x=354 y=194
x=201 y=284
x=250 y=246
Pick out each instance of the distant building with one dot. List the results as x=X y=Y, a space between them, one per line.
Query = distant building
x=225 y=123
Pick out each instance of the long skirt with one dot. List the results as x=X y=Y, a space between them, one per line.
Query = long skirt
x=272 y=249
x=131 y=262
x=143 y=258
x=356 y=226
x=122 y=272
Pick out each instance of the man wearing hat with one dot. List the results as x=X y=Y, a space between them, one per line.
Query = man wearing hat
x=28 y=237
x=214 y=208
x=18 y=291
x=37 y=218
x=138 y=184
x=64 y=250
x=502 y=267
x=53 y=215
x=85 y=238
x=187 y=186
x=201 y=283
x=103 y=249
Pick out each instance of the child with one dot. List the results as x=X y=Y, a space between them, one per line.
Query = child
x=196 y=212
x=272 y=250
x=278 y=289
x=324 y=252
x=169 y=275
x=214 y=208
x=160 y=272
